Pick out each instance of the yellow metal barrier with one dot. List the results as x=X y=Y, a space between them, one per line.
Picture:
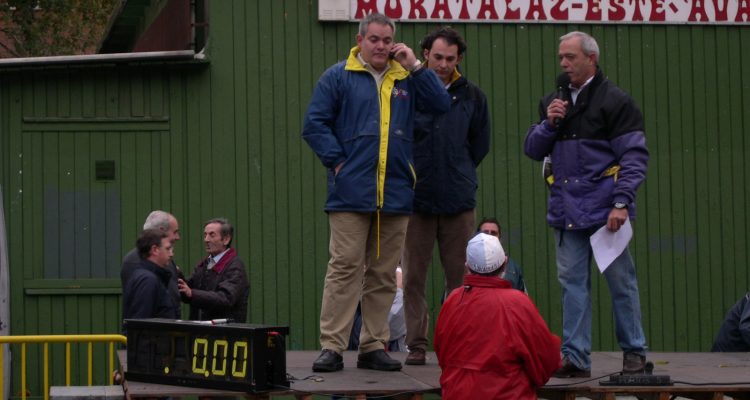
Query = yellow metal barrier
x=67 y=339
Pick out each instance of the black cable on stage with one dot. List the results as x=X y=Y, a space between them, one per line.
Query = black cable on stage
x=353 y=397
x=712 y=383
x=579 y=382
x=318 y=378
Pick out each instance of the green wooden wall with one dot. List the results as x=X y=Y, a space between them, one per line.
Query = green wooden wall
x=223 y=139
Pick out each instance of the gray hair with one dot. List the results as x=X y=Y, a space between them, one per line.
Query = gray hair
x=226 y=228
x=157 y=220
x=378 y=19
x=588 y=43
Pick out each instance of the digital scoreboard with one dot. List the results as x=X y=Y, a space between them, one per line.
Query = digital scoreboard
x=238 y=357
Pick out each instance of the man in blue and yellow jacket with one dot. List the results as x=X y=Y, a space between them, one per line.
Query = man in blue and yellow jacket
x=359 y=123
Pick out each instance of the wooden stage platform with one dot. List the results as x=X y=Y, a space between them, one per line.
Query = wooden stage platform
x=696 y=375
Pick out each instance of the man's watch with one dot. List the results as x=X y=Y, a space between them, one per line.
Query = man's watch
x=416 y=66
x=620 y=206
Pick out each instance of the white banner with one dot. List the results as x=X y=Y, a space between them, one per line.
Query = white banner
x=725 y=12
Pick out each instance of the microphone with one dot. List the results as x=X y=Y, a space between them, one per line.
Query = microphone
x=563 y=81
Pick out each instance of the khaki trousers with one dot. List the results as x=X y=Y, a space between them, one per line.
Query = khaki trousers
x=452 y=233
x=355 y=274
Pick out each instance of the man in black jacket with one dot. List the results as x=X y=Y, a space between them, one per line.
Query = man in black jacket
x=447 y=150
x=218 y=287
x=734 y=334
x=167 y=223
x=146 y=293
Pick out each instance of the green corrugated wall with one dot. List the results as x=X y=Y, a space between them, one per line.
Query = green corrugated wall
x=223 y=139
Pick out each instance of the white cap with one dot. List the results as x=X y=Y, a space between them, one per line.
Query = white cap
x=484 y=254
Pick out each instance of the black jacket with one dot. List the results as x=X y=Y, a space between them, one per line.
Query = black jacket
x=447 y=150
x=146 y=293
x=734 y=334
x=130 y=263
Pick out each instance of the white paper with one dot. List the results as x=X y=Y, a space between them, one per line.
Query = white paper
x=608 y=245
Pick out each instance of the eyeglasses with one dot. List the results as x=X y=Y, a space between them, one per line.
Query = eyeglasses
x=491 y=232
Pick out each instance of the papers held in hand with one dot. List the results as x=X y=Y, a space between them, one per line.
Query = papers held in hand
x=608 y=245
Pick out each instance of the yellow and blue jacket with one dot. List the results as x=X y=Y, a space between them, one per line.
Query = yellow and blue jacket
x=369 y=129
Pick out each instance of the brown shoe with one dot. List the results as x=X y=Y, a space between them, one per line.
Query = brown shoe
x=416 y=357
x=570 y=370
x=633 y=363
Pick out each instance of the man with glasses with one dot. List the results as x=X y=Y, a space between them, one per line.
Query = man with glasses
x=167 y=223
x=146 y=293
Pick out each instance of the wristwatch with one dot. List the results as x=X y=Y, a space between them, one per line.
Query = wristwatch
x=620 y=206
x=416 y=66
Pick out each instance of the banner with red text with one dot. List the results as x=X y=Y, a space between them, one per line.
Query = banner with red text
x=723 y=12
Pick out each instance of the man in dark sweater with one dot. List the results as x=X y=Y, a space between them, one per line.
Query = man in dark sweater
x=146 y=293
x=167 y=223
x=447 y=151
x=734 y=334
x=218 y=287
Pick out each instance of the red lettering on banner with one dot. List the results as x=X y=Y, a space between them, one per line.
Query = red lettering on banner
x=487 y=6
x=393 y=12
x=441 y=5
x=697 y=12
x=594 y=10
x=719 y=13
x=464 y=13
x=417 y=5
x=657 y=10
x=637 y=16
x=365 y=7
x=511 y=14
x=535 y=6
x=616 y=11
x=557 y=12
x=743 y=9
x=570 y=11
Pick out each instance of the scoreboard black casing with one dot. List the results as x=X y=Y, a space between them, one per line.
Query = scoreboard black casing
x=232 y=356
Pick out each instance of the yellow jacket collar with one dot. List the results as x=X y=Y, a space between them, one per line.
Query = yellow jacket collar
x=454 y=76
x=353 y=64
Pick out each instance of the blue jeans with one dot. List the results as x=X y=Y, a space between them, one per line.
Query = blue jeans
x=574 y=273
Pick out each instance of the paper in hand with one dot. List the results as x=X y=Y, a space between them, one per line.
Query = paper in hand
x=608 y=245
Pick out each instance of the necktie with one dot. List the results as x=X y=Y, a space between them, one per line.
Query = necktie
x=211 y=263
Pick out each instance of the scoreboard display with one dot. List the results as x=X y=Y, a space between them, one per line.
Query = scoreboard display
x=237 y=357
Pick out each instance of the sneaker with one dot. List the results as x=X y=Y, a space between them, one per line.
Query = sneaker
x=379 y=360
x=328 y=361
x=570 y=370
x=633 y=363
x=416 y=357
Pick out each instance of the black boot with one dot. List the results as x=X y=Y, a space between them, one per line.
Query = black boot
x=328 y=361
x=378 y=360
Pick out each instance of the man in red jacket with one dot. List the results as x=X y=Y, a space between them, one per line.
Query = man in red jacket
x=490 y=341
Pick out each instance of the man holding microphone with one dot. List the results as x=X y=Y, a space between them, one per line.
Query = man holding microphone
x=595 y=136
